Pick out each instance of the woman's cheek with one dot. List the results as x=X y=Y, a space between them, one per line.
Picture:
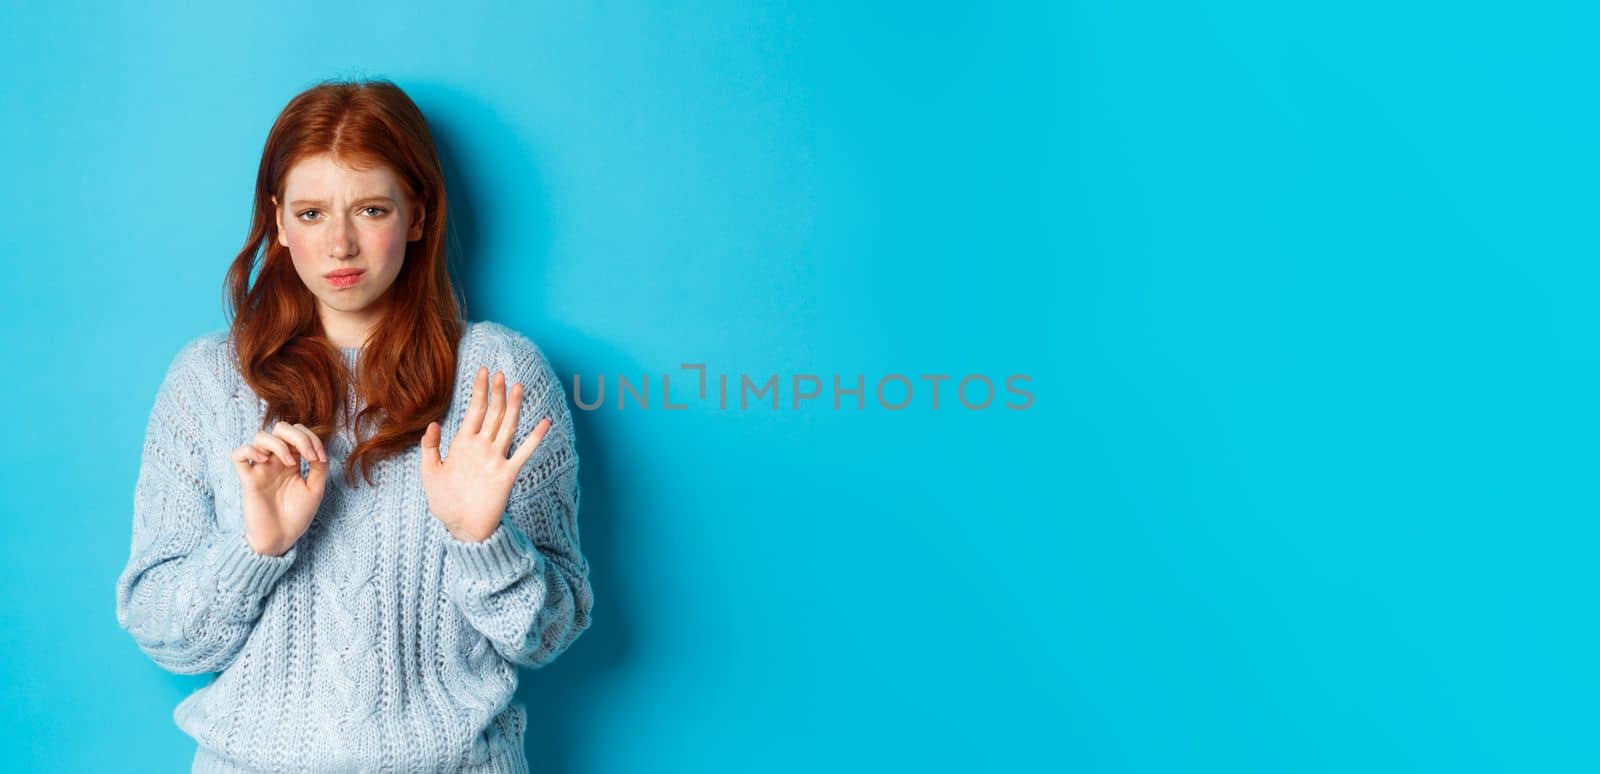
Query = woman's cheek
x=384 y=243
x=298 y=246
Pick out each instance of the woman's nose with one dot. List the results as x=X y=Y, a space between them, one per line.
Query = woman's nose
x=341 y=239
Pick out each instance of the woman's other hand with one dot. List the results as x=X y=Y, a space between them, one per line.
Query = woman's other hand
x=468 y=491
x=278 y=503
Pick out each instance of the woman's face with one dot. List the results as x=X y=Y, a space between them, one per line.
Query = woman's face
x=338 y=219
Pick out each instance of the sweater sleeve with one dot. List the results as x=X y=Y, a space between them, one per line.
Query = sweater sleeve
x=526 y=586
x=190 y=593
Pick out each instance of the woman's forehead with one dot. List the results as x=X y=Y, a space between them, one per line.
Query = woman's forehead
x=323 y=175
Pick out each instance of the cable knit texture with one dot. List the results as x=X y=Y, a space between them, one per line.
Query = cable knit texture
x=379 y=641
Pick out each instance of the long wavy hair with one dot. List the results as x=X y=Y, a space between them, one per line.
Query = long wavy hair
x=405 y=374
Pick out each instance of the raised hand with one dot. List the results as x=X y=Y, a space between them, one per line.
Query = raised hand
x=278 y=503
x=468 y=491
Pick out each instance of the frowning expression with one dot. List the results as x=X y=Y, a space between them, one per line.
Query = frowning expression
x=346 y=229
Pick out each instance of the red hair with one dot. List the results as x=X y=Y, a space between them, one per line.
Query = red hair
x=406 y=370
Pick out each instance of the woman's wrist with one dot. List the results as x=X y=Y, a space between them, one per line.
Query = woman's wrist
x=266 y=547
x=465 y=536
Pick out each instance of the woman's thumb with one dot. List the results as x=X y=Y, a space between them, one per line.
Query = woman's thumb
x=318 y=475
x=430 y=446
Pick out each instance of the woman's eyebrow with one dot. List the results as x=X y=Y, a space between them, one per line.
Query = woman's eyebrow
x=362 y=200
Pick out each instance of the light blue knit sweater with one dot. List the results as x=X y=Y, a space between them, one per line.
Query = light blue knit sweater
x=379 y=642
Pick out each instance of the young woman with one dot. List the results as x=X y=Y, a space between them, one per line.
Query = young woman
x=341 y=507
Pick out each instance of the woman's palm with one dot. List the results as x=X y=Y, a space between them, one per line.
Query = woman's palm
x=278 y=503
x=286 y=501
x=468 y=490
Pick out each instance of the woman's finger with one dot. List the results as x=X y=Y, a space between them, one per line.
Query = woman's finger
x=508 y=426
x=272 y=444
x=247 y=454
x=473 y=422
x=530 y=443
x=497 y=404
x=322 y=451
x=301 y=439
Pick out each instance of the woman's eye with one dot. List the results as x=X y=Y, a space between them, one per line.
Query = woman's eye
x=309 y=215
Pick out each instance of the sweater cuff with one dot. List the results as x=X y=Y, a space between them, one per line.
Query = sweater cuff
x=241 y=570
x=506 y=554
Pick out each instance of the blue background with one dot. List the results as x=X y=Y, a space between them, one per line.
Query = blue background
x=1306 y=293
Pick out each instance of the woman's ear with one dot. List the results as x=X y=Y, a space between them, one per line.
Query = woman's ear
x=277 y=215
x=415 y=231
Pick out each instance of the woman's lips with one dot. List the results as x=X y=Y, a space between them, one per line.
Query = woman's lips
x=345 y=280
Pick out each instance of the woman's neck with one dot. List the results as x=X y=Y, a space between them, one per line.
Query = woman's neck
x=348 y=330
